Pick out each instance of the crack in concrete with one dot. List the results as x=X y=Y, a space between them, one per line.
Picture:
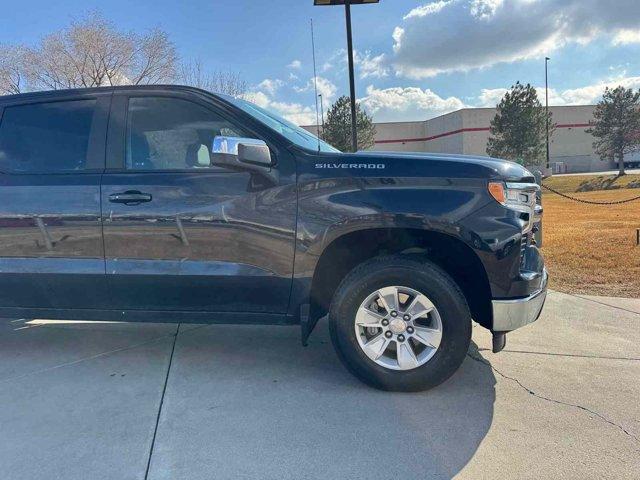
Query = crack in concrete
x=552 y=400
x=572 y=355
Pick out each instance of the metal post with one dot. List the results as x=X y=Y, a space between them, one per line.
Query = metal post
x=352 y=80
x=546 y=84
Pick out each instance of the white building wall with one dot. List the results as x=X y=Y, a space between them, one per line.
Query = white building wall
x=467 y=131
x=442 y=136
x=402 y=136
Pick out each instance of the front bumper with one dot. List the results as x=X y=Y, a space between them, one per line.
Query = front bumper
x=509 y=315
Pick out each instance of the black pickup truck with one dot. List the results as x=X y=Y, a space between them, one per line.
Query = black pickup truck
x=171 y=204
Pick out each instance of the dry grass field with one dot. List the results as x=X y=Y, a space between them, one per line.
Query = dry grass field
x=591 y=249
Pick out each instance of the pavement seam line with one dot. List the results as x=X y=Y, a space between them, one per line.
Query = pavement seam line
x=97 y=355
x=571 y=355
x=164 y=391
x=600 y=303
x=552 y=400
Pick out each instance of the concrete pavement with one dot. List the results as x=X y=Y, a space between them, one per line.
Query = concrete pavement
x=124 y=401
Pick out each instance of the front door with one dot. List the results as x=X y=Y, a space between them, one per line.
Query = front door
x=182 y=234
x=52 y=154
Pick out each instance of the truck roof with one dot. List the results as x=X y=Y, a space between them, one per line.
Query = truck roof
x=52 y=94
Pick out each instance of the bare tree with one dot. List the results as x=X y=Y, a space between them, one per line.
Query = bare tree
x=194 y=74
x=93 y=53
x=11 y=69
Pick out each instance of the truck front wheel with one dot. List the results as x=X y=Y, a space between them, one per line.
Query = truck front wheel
x=400 y=323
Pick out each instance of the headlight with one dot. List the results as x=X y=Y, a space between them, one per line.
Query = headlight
x=520 y=197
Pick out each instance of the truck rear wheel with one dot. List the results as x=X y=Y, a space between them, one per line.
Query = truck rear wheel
x=400 y=323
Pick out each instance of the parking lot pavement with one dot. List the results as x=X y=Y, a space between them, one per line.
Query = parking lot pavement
x=79 y=401
x=82 y=401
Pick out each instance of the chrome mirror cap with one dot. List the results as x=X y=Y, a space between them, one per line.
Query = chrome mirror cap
x=247 y=150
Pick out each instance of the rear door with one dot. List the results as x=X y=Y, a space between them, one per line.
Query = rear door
x=52 y=155
x=181 y=234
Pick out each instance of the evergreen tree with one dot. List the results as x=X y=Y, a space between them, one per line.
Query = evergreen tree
x=519 y=129
x=337 y=128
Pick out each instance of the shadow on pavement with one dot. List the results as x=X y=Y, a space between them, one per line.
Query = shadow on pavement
x=250 y=402
x=241 y=402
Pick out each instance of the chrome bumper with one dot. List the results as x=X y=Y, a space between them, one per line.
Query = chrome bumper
x=509 y=315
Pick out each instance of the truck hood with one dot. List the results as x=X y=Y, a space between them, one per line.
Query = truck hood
x=493 y=167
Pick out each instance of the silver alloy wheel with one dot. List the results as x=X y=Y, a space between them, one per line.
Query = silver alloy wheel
x=398 y=328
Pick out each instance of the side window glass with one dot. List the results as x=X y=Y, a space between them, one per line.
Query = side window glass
x=172 y=134
x=46 y=137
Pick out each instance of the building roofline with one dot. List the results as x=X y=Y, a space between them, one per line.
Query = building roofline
x=460 y=110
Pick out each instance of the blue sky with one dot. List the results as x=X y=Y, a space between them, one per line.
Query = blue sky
x=415 y=59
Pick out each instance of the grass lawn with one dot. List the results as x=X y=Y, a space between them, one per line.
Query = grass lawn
x=591 y=249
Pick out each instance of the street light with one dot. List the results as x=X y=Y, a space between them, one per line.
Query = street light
x=546 y=86
x=352 y=81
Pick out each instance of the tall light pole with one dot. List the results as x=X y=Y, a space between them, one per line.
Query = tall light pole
x=546 y=87
x=352 y=80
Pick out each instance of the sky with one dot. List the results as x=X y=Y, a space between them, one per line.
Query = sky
x=414 y=59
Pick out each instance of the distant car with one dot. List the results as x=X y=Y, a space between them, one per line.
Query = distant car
x=171 y=204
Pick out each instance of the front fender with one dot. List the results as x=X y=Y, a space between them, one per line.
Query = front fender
x=331 y=208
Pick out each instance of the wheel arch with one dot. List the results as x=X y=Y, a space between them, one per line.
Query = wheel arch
x=451 y=254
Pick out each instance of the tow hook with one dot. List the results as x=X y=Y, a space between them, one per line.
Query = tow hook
x=499 y=341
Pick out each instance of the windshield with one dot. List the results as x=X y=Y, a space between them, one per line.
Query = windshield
x=294 y=133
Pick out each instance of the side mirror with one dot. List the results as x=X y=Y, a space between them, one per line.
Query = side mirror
x=240 y=152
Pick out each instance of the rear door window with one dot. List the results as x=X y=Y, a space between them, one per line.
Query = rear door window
x=46 y=137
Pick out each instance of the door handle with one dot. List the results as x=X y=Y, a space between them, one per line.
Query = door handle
x=130 y=197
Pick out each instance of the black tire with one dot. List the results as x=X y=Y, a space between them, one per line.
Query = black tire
x=420 y=275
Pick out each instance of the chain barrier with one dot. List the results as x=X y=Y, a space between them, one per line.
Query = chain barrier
x=590 y=202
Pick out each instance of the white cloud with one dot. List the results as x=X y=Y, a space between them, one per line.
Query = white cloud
x=490 y=97
x=460 y=35
x=484 y=9
x=627 y=36
x=295 y=112
x=337 y=58
x=326 y=88
x=406 y=104
x=296 y=65
x=263 y=96
x=270 y=86
x=259 y=98
x=326 y=66
x=367 y=64
x=586 y=95
x=592 y=93
x=371 y=66
x=424 y=10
